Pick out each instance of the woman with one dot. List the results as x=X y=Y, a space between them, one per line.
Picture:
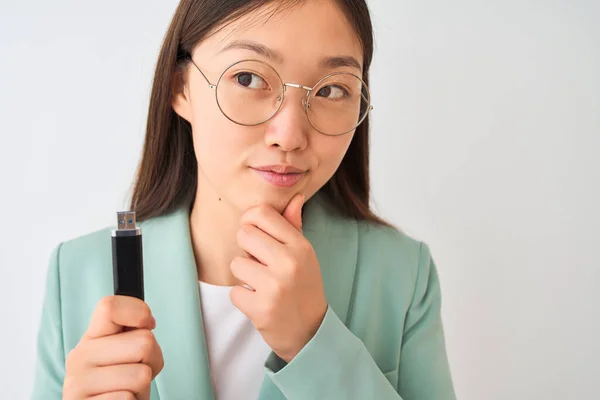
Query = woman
x=266 y=274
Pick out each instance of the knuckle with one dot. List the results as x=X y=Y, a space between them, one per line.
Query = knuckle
x=144 y=314
x=305 y=246
x=142 y=377
x=244 y=232
x=262 y=211
x=161 y=363
x=277 y=293
x=236 y=263
x=70 y=360
x=106 y=305
x=247 y=229
x=145 y=341
x=276 y=290
x=69 y=387
x=291 y=265
x=240 y=260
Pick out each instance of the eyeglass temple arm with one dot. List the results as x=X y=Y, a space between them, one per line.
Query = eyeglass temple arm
x=210 y=85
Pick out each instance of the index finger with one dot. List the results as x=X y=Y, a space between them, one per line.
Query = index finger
x=113 y=313
x=267 y=219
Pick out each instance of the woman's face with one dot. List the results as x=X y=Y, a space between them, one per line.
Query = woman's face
x=230 y=156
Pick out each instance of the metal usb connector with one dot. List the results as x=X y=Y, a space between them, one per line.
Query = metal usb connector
x=126 y=220
x=126 y=224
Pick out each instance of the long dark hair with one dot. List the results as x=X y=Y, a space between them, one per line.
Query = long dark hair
x=167 y=175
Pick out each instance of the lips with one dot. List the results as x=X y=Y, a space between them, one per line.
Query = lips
x=280 y=175
x=281 y=169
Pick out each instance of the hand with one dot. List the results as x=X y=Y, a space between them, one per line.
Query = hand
x=287 y=303
x=118 y=356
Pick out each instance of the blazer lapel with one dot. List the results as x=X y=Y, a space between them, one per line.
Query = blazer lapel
x=172 y=292
x=335 y=241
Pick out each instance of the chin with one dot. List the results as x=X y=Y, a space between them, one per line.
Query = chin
x=278 y=199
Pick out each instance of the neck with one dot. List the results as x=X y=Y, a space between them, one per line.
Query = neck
x=213 y=227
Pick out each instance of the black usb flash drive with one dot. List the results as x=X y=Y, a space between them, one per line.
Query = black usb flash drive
x=128 y=266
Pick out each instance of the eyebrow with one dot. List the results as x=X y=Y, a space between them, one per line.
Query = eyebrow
x=274 y=55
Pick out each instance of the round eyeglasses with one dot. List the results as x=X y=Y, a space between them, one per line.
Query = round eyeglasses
x=251 y=92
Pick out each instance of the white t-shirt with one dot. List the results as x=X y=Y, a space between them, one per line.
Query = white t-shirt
x=236 y=351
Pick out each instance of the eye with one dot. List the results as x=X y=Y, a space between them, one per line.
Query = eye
x=250 y=80
x=332 y=92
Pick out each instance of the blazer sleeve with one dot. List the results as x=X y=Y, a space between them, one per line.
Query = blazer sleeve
x=335 y=364
x=50 y=359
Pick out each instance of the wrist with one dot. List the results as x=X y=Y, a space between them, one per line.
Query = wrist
x=287 y=356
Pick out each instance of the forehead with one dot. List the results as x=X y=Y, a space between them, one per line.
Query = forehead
x=303 y=32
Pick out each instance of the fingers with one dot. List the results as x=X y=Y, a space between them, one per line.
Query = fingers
x=244 y=300
x=133 y=378
x=118 y=355
x=115 y=312
x=293 y=211
x=260 y=244
x=124 y=348
x=120 y=395
x=274 y=224
x=251 y=272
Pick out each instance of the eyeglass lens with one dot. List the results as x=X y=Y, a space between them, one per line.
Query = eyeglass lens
x=251 y=92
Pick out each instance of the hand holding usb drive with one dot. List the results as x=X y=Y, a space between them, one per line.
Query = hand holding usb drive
x=128 y=266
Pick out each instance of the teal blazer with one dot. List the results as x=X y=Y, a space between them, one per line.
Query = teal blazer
x=381 y=338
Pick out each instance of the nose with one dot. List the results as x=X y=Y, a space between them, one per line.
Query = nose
x=289 y=128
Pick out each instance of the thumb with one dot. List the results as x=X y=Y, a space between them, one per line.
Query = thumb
x=293 y=211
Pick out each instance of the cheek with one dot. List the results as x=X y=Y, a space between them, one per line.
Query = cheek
x=220 y=145
x=220 y=148
x=330 y=151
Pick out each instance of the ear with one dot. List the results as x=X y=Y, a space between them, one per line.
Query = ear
x=180 y=100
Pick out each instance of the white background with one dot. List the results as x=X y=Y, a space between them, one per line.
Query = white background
x=485 y=134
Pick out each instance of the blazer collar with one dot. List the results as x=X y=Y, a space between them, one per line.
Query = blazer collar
x=172 y=292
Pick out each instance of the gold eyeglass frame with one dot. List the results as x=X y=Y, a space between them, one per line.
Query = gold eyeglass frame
x=305 y=101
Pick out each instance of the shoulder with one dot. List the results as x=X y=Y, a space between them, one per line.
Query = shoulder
x=83 y=266
x=83 y=260
x=89 y=246
x=390 y=250
x=382 y=252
